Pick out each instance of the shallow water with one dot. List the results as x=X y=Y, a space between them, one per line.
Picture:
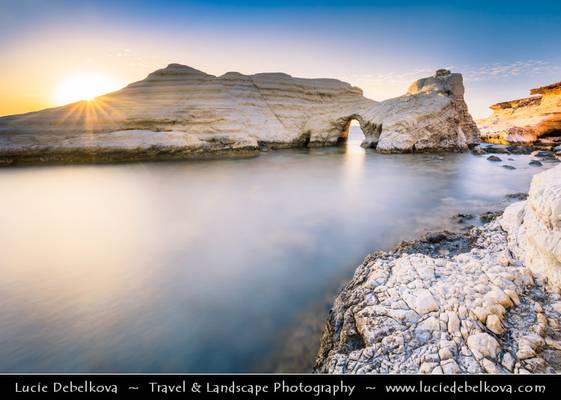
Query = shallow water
x=202 y=266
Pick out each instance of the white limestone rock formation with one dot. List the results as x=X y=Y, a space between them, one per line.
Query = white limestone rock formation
x=432 y=115
x=181 y=112
x=534 y=227
x=524 y=121
x=485 y=302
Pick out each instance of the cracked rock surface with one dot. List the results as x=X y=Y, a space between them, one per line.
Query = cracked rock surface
x=452 y=303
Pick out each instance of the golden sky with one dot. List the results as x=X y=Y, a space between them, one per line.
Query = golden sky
x=50 y=47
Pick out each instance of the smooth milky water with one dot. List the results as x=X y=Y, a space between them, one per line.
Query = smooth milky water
x=205 y=266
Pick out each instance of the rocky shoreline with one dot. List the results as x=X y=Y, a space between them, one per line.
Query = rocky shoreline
x=129 y=146
x=484 y=301
x=494 y=152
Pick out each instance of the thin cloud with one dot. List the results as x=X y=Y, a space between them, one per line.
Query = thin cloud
x=134 y=60
x=509 y=70
x=391 y=78
x=381 y=86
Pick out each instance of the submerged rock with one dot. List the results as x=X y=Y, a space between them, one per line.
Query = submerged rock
x=519 y=149
x=494 y=158
x=492 y=308
x=181 y=112
x=462 y=218
x=535 y=163
x=506 y=166
x=496 y=149
x=478 y=150
x=543 y=154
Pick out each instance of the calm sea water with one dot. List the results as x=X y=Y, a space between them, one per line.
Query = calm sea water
x=211 y=265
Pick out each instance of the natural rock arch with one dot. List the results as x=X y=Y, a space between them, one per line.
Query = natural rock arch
x=370 y=129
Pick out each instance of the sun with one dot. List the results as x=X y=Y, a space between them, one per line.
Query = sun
x=84 y=86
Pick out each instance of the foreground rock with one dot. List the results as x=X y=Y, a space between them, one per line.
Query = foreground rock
x=534 y=227
x=533 y=120
x=180 y=112
x=490 y=304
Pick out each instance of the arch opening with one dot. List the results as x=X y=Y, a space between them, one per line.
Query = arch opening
x=352 y=134
x=354 y=128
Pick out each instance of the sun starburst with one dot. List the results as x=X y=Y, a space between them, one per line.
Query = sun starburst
x=85 y=86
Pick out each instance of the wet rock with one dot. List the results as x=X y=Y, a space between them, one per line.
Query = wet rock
x=517 y=196
x=535 y=163
x=436 y=244
x=462 y=218
x=495 y=149
x=519 y=149
x=494 y=158
x=543 y=154
x=478 y=150
x=490 y=216
x=508 y=167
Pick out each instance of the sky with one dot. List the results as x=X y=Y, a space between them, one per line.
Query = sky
x=503 y=48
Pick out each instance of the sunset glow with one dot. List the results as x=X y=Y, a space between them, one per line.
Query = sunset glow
x=83 y=87
x=251 y=38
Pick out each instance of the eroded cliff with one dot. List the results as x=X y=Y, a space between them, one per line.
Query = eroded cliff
x=181 y=112
x=527 y=120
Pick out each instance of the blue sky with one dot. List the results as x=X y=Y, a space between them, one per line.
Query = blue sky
x=502 y=48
